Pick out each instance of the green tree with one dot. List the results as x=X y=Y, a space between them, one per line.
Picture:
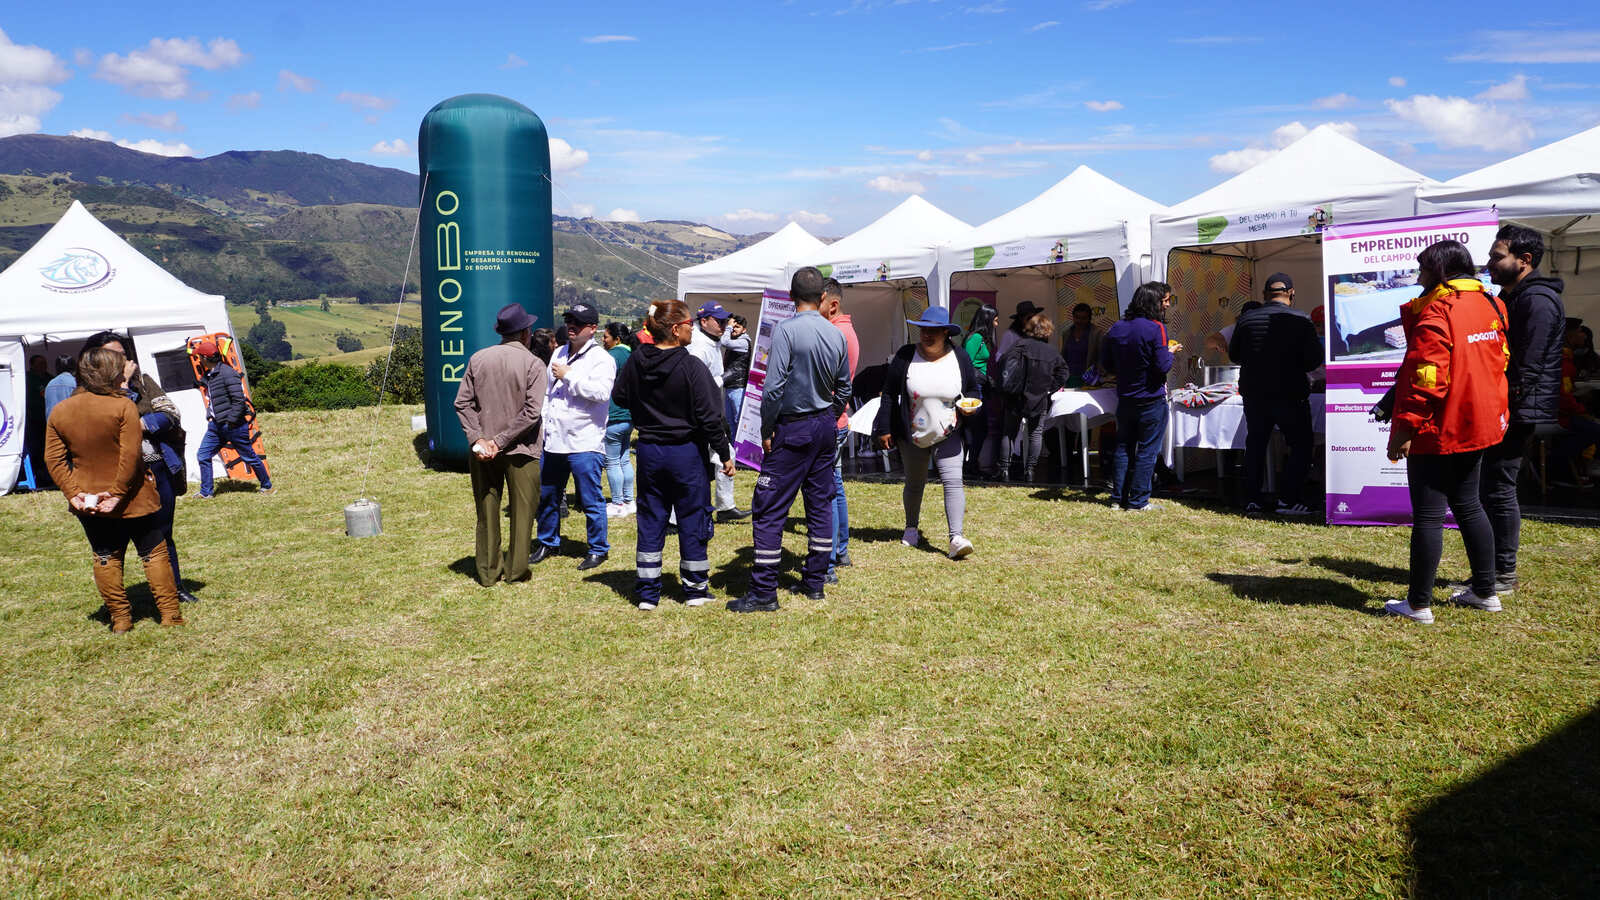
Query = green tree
x=313 y=386
x=269 y=335
x=326 y=306
x=255 y=366
x=405 y=367
x=347 y=342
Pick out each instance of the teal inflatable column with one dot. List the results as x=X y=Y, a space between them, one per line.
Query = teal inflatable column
x=484 y=164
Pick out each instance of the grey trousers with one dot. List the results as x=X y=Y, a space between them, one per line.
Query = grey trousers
x=946 y=456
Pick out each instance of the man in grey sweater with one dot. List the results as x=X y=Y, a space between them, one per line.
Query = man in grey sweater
x=500 y=403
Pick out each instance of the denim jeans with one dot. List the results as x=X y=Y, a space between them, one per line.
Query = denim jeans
x=238 y=438
x=731 y=407
x=619 y=468
x=585 y=471
x=841 y=507
x=1140 y=426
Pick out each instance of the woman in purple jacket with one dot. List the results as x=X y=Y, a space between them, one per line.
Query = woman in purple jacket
x=1139 y=353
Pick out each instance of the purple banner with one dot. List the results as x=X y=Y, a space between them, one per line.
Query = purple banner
x=775 y=307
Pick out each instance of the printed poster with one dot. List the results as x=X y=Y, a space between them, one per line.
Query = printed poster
x=1371 y=269
x=775 y=307
x=10 y=432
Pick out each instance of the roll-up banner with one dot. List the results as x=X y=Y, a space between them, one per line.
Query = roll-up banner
x=484 y=240
x=1371 y=269
x=775 y=307
x=10 y=433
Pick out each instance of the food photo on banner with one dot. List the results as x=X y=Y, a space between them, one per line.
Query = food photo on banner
x=1371 y=271
x=775 y=307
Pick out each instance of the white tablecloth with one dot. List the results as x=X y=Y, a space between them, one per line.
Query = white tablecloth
x=1220 y=427
x=1098 y=406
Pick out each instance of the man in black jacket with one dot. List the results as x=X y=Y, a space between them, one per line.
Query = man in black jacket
x=1536 y=319
x=228 y=419
x=1275 y=346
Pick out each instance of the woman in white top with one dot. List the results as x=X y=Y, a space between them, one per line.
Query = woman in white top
x=920 y=414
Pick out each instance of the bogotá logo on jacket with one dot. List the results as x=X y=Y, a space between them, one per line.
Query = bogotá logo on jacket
x=76 y=269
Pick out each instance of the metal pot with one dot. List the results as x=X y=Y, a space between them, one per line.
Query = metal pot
x=1220 y=374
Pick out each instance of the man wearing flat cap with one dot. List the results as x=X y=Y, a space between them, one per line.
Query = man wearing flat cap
x=500 y=403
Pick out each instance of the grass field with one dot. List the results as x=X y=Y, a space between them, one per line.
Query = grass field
x=1180 y=703
x=311 y=332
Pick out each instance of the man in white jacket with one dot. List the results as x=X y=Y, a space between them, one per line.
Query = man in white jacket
x=575 y=409
x=710 y=322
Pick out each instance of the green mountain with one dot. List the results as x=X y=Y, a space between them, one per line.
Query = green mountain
x=287 y=226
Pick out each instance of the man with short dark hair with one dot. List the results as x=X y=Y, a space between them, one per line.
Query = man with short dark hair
x=807 y=385
x=1275 y=346
x=499 y=404
x=1535 y=318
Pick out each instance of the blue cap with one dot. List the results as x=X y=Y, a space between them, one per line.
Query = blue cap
x=713 y=310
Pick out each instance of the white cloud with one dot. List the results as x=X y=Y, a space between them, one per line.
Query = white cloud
x=750 y=215
x=622 y=215
x=365 y=101
x=566 y=158
x=1102 y=5
x=806 y=217
x=167 y=121
x=26 y=72
x=945 y=48
x=513 y=61
x=1396 y=81
x=580 y=210
x=1043 y=25
x=161 y=68
x=1103 y=105
x=925 y=155
x=289 y=81
x=610 y=39
x=396 y=147
x=145 y=146
x=1537 y=47
x=1459 y=122
x=251 y=100
x=1334 y=101
x=27 y=64
x=83 y=56
x=1235 y=161
x=1515 y=89
x=891 y=184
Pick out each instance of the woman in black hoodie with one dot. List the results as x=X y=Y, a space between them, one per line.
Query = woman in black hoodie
x=678 y=419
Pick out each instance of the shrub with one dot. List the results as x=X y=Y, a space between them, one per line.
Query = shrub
x=405 y=376
x=347 y=342
x=312 y=386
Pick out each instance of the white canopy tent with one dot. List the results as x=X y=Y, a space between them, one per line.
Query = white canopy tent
x=890 y=272
x=737 y=280
x=81 y=278
x=1554 y=189
x=1053 y=249
x=1216 y=247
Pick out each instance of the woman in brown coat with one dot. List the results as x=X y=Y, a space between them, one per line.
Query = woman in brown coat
x=92 y=448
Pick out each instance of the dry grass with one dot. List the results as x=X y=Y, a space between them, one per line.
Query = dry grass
x=1176 y=704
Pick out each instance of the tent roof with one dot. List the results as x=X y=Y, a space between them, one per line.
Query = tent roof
x=1084 y=201
x=911 y=231
x=752 y=269
x=81 y=277
x=1556 y=183
x=1322 y=165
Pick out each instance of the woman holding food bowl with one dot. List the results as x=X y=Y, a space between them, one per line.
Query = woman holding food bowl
x=930 y=388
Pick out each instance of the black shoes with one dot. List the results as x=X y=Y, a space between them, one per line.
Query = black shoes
x=843 y=561
x=541 y=552
x=749 y=603
x=732 y=515
x=186 y=597
x=592 y=560
x=830 y=578
x=809 y=595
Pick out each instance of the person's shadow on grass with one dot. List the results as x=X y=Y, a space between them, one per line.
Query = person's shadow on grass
x=1296 y=590
x=1529 y=827
x=892 y=536
x=1362 y=569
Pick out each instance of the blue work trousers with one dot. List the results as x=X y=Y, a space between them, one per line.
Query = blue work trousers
x=585 y=471
x=672 y=478
x=801 y=462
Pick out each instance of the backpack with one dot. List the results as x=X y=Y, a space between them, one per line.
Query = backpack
x=1014 y=373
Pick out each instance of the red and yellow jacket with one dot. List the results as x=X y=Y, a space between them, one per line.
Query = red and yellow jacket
x=1451 y=389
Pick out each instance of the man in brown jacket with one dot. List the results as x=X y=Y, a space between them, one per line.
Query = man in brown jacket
x=500 y=403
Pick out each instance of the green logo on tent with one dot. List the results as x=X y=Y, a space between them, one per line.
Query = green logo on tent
x=981 y=256
x=827 y=271
x=1210 y=228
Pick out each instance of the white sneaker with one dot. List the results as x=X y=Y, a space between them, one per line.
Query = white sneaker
x=911 y=538
x=697 y=601
x=646 y=606
x=1402 y=608
x=1468 y=597
x=632 y=507
x=960 y=547
x=616 y=510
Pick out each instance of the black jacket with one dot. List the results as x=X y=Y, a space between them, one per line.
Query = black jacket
x=225 y=393
x=673 y=399
x=1274 y=347
x=894 y=409
x=1046 y=372
x=1537 y=321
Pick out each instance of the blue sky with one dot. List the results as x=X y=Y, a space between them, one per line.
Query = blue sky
x=747 y=115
